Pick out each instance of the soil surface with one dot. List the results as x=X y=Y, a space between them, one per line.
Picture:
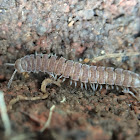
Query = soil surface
x=80 y=30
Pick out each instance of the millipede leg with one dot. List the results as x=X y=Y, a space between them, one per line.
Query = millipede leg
x=70 y=82
x=126 y=90
x=106 y=86
x=101 y=87
x=112 y=86
x=55 y=77
x=60 y=77
x=93 y=86
x=96 y=86
x=51 y=74
x=75 y=84
x=82 y=86
x=49 y=55
x=36 y=54
x=63 y=79
x=85 y=86
x=41 y=54
x=117 y=88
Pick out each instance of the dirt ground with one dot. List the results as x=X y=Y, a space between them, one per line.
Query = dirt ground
x=80 y=30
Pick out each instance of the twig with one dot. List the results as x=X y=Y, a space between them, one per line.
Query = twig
x=43 y=89
x=47 y=124
x=113 y=55
x=47 y=82
x=63 y=100
x=4 y=115
x=24 y=98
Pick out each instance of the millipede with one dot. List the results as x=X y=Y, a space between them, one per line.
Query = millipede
x=59 y=67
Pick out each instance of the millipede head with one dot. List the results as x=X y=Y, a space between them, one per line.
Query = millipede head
x=18 y=68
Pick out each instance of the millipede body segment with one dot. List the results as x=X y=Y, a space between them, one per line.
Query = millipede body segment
x=77 y=71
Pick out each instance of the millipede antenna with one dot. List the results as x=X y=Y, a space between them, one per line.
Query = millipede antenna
x=11 y=79
x=9 y=64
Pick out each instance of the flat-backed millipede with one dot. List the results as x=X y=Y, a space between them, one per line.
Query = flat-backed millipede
x=76 y=71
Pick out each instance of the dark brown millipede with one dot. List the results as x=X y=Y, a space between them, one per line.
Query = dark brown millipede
x=77 y=72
